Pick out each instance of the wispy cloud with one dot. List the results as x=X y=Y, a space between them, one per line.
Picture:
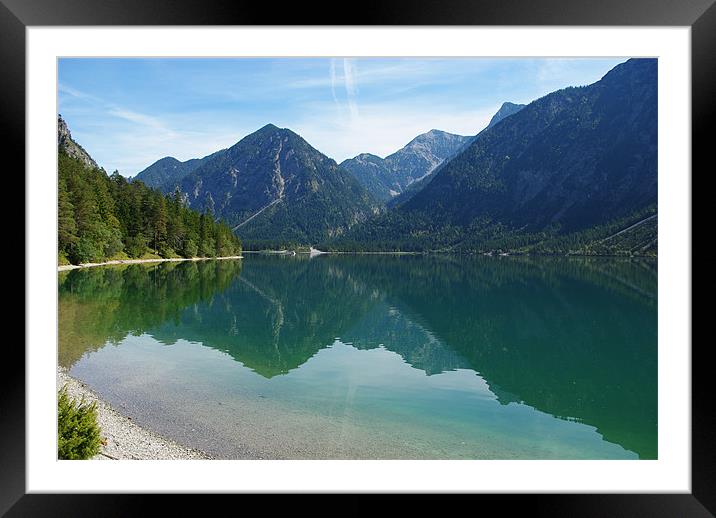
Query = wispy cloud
x=65 y=89
x=348 y=78
x=333 y=80
x=143 y=146
x=388 y=73
x=128 y=113
x=137 y=118
x=351 y=88
x=113 y=109
x=129 y=141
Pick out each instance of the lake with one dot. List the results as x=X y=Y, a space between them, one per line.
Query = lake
x=374 y=356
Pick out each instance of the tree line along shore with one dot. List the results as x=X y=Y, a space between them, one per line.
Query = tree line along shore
x=105 y=218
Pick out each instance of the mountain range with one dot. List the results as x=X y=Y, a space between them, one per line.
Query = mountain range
x=573 y=160
x=387 y=177
x=578 y=160
x=409 y=169
x=505 y=110
x=271 y=185
x=168 y=172
x=384 y=178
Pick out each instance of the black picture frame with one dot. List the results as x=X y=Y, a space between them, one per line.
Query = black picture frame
x=700 y=15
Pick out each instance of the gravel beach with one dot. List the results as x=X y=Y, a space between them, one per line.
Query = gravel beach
x=122 y=438
x=64 y=267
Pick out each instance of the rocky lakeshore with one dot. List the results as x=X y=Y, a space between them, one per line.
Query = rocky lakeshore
x=123 y=439
x=64 y=267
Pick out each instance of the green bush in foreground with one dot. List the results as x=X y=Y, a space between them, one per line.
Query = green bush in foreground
x=77 y=429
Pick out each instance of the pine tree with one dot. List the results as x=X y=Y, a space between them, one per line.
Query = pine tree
x=66 y=226
x=100 y=216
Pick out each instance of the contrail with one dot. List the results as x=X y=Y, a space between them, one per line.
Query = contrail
x=349 y=81
x=333 y=82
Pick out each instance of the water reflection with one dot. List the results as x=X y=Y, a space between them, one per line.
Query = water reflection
x=575 y=338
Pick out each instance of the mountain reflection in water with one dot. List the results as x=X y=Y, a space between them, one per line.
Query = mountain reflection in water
x=575 y=338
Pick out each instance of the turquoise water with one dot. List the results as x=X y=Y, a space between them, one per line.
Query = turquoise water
x=375 y=356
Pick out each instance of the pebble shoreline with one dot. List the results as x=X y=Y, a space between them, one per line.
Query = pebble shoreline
x=122 y=438
x=65 y=267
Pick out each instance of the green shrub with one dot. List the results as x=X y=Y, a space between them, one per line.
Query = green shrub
x=77 y=429
x=86 y=251
x=135 y=246
x=119 y=256
x=190 y=249
x=207 y=249
x=166 y=252
x=62 y=259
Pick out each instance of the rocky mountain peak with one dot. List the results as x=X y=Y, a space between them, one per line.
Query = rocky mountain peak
x=505 y=110
x=268 y=127
x=366 y=158
x=434 y=133
x=388 y=177
x=271 y=184
x=271 y=130
x=69 y=146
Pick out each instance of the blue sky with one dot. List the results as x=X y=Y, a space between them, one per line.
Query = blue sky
x=128 y=113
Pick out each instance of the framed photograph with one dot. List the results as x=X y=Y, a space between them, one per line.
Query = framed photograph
x=419 y=253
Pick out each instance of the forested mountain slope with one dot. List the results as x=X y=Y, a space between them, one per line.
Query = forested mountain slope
x=104 y=217
x=572 y=162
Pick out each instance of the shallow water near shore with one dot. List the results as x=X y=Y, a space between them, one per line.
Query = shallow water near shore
x=380 y=357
